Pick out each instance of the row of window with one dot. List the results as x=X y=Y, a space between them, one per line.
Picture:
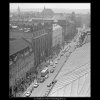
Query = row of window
x=38 y=33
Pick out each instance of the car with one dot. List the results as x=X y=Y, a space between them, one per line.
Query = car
x=20 y=29
x=56 y=62
x=49 y=85
x=36 y=85
x=51 y=63
x=41 y=80
x=54 y=66
x=52 y=70
x=53 y=82
x=28 y=93
x=46 y=76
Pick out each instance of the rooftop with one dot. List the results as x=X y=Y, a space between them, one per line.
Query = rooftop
x=58 y=17
x=17 y=45
x=19 y=34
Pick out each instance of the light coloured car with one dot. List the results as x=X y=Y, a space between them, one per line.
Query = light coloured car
x=51 y=63
x=46 y=76
x=28 y=93
x=52 y=70
x=56 y=62
x=54 y=66
x=36 y=85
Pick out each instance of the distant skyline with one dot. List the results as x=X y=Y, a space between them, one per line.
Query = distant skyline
x=25 y=6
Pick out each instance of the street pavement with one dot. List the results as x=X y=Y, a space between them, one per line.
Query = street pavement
x=74 y=77
x=42 y=88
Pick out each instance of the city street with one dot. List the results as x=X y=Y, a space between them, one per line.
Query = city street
x=41 y=90
x=74 y=77
x=43 y=86
x=66 y=65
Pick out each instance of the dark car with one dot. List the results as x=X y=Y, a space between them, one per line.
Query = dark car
x=61 y=54
x=53 y=82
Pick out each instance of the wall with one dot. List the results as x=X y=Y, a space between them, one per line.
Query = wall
x=22 y=65
x=57 y=35
x=41 y=47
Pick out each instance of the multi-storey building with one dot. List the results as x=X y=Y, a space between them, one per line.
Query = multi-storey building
x=21 y=60
x=42 y=42
x=56 y=35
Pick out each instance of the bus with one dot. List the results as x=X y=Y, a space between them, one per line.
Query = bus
x=44 y=72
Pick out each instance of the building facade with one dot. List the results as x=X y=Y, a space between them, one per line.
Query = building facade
x=41 y=42
x=56 y=35
x=21 y=60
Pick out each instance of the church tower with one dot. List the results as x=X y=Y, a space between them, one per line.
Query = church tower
x=18 y=10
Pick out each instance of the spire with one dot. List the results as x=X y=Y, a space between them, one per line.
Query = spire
x=18 y=9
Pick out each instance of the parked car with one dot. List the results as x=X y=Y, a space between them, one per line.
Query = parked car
x=52 y=70
x=56 y=62
x=54 y=66
x=41 y=80
x=28 y=93
x=49 y=85
x=53 y=82
x=36 y=85
x=51 y=63
x=46 y=76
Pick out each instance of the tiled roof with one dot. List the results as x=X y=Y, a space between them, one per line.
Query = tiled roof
x=19 y=34
x=17 y=45
x=58 y=17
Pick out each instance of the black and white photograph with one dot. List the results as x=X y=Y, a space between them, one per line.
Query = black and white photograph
x=49 y=50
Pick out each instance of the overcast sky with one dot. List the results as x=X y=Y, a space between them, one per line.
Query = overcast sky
x=14 y=6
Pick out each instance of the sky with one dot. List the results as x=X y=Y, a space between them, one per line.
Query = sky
x=14 y=6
